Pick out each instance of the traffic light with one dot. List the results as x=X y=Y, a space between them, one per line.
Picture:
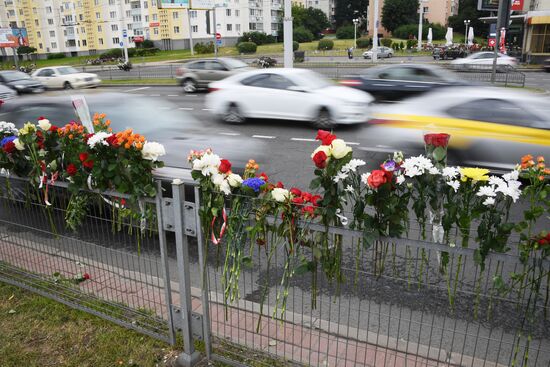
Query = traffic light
x=503 y=18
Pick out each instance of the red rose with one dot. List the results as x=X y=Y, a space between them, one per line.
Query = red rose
x=264 y=177
x=53 y=128
x=295 y=191
x=225 y=166
x=9 y=147
x=377 y=178
x=308 y=210
x=71 y=169
x=542 y=241
x=112 y=140
x=83 y=156
x=306 y=196
x=437 y=140
x=41 y=118
x=320 y=159
x=85 y=276
x=39 y=134
x=325 y=137
x=280 y=185
x=88 y=164
x=315 y=200
x=297 y=200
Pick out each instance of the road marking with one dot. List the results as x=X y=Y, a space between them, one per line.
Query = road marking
x=186 y=108
x=172 y=95
x=207 y=109
x=230 y=134
x=190 y=95
x=351 y=143
x=302 y=139
x=154 y=95
x=263 y=136
x=134 y=89
x=378 y=150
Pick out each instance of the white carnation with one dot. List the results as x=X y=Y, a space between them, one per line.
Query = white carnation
x=512 y=176
x=279 y=194
x=365 y=177
x=152 y=151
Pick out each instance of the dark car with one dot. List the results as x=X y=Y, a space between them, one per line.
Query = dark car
x=395 y=82
x=546 y=65
x=447 y=53
x=198 y=74
x=20 y=82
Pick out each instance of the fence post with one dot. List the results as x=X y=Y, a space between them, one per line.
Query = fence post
x=171 y=71
x=139 y=72
x=506 y=77
x=110 y=73
x=189 y=357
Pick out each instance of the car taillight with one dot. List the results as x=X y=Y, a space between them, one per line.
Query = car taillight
x=350 y=82
x=180 y=71
x=210 y=90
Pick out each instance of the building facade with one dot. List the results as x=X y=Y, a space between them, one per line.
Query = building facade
x=82 y=27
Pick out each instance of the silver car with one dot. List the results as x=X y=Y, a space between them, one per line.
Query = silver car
x=383 y=52
x=198 y=74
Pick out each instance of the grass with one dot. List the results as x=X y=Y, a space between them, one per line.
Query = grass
x=166 y=81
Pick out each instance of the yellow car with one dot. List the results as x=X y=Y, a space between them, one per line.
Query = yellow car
x=489 y=127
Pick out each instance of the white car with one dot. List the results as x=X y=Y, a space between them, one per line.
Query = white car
x=383 y=52
x=65 y=77
x=484 y=60
x=287 y=94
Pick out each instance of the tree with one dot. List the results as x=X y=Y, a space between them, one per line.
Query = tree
x=396 y=13
x=314 y=20
x=467 y=9
x=25 y=50
x=347 y=10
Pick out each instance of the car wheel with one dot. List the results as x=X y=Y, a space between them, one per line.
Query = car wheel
x=189 y=86
x=390 y=56
x=67 y=85
x=233 y=115
x=323 y=121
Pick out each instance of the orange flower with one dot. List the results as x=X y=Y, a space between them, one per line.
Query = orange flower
x=138 y=146
x=541 y=166
x=108 y=122
x=531 y=163
x=96 y=122
x=547 y=171
x=110 y=130
x=540 y=159
x=526 y=158
x=127 y=146
x=71 y=136
x=541 y=178
x=102 y=115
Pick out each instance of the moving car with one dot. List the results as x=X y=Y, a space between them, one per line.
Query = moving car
x=383 y=52
x=546 y=65
x=198 y=74
x=395 y=82
x=20 y=82
x=483 y=60
x=489 y=127
x=288 y=94
x=6 y=93
x=65 y=77
x=446 y=53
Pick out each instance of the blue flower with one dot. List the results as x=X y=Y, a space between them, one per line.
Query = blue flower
x=254 y=183
x=6 y=140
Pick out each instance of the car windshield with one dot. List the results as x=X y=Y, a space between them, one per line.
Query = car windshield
x=67 y=70
x=11 y=76
x=312 y=80
x=234 y=64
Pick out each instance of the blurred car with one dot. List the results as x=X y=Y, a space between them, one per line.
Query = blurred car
x=159 y=120
x=483 y=60
x=446 y=53
x=383 y=53
x=546 y=65
x=489 y=127
x=65 y=77
x=288 y=94
x=395 y=82
x=6 y=93
x=20 y=82
x=198 y=74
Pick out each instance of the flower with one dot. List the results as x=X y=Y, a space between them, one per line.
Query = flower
x=475 y=174
x=295 y=191
x=326 y=137
x=234 y=180
x=398 y=157
x=350 y=188
x=488 y=191
x=102 y=138
x=85 y=276
x=27 y=128
x=9 y=147
x=152 y=151
x=400 y=179
x=377 y=178
x=298 y=200
x=44 y=124
x=352 y=165
x=526 y=158
x=88 y=164
x=308 y=211
x=7 y=139
x=416 y=166
x=496 y=181
x=365 y=178
x=389 y=165
x=71 y=169
x=434 y=171
x=225 y=166
x=7 y=127
x=437 y=140
x=450 y=172
x=489 y=201
x=340 y=176
x=18 y=144
x=455 y=184
x=315 y=200
x=339 y=149
x=254 y=183
x=264 y=177
x=280 y=195
x=321 y=148
x=320 y=159
x=83 y=156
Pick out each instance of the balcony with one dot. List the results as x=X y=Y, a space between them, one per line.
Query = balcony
x=255 y=4
x=275 y=19
x=135 y=11
x=70 y=33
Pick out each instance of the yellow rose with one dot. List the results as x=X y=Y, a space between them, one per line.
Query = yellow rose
x=339 y=149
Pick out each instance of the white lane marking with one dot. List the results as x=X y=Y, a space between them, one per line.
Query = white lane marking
x=172 y=95
x=263 y=136
x=351 y=143
x=134 y=89
x=186 y=108
x=190 y=95
x=154 y=95
x=379 y=150
x=230 y=134
x=302 y=139
x=207 y=109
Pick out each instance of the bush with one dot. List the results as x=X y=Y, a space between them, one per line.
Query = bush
x=325 y=45
x=113 y=53
x=401 y=45
x=395 y=46
x=146 y=44
x=404 y=31
x=295 y=46
x=302 y=35
x=386 y=42
x=59 y=55
x=364 y=42
x=204 y=48
x=345 y=32
x=247 y=47
x=411 y=43
x=146 y=51
x=259 y=38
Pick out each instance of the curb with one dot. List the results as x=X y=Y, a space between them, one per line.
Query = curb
x=138 y=85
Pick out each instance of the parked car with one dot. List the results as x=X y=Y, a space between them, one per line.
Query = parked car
x=288 y=94
x=395 y=82
x=198 y=74
x=546 y=65
x=483 y=60
x=448 y=53
x=383 y=52
x=65 y=77
x=489 y=127
x=20 y=82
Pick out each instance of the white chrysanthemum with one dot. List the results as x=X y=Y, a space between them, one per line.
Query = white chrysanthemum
x=455 y=184
x=400 y=179
x=496 y=181
x=98 y=138
x=511 y=176
x=352 y=165
x=488 y=191
x=340 y=176
x=434 y=171
x=365 y=177
x=350 y=188
x=489 y=201
x=7 y=127
x=152 y=151
x=450 y=172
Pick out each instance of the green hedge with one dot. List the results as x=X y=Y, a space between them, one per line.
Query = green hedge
x=59 y=55
x=386 y=42
x=364 y=42
x=302 y=35
x=404 y=31
x=325 y=45
x=345 y=32
x=259 y=38
x=247 y=47
x=204 y=48
x=295 y=46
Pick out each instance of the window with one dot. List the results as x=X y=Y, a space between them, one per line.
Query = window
x=228 y=12
x=34 y=10
x=111 y=2
x=229 y=27
x=176 y=29
x=36 y=22
x=96 y=2
x=114 y=27
x=68 y=19
x=99 y=28
x=214 y=65
x=46 y=72
x=136 y=18
x=116 y=40
x=155 y=16
x=195 y=28
x=11 y=12
x=52 y=33
x=426 y=9
x=98 y=15
x=540 y=40
x=40 y=45
x=238 y=27
x=145 y=5
x=50 y=21
x=175 y=15
x=493 y=110
x=155 y=31
x=199 y=65
x=54 y=45
x=147 y=18
x=129 y=26
x=84 y=43
x=193 y=14
x=100 y=40
x=82 y=30
x=112 y=14
x=81 y=17
x=128 y=13
x=237 y=13
x=48 y=9
x=271 y=81
x=70 y=43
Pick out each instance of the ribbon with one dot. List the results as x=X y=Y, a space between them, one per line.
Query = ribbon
x=52 y=180
x=215 y=240
x=342 y=218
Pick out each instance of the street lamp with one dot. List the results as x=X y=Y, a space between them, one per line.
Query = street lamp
x=355 y=22
x=466 y=23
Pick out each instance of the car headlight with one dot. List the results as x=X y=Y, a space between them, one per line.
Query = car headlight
x=19 y=86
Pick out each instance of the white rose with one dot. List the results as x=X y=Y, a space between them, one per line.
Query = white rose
x=234 y=180
x=225 y=188
x=339 y=149
x=279 y=194
x=217 y=179
x=18 y=144
x=322 y=148
x=44 y=124
x=152 y=151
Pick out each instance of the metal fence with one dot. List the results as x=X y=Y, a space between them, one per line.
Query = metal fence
x=393 y=307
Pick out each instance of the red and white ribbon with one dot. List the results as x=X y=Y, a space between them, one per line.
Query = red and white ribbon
x=215 y=240
x=52 y=180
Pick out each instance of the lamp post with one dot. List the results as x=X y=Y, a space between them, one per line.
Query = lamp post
x=355 y=22
x=467 y=24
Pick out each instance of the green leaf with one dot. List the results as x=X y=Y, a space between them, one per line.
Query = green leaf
x=247 y=261
x=112 y=167
x=439 y=153
x=303 y=268
x=315 y=183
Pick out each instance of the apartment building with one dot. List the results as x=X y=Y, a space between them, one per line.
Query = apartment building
x=82 y=27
